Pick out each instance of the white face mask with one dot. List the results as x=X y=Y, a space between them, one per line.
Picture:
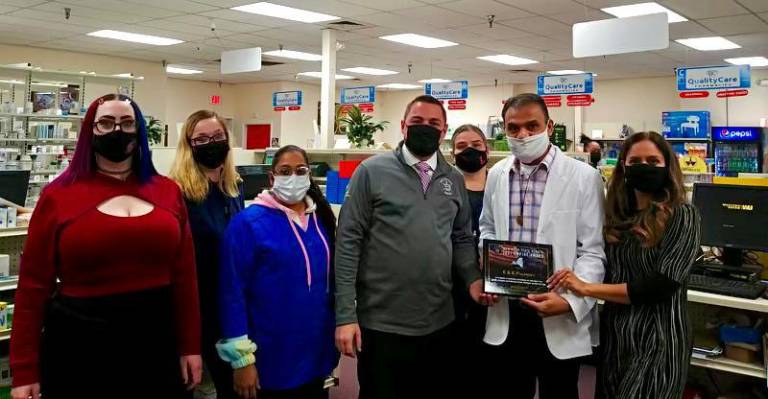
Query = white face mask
x=530 y=148
x=291 y=189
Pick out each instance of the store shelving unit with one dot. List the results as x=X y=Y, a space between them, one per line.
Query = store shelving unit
x=730 y=366
x=5 y=334
x=37 y=140
x=13 y=232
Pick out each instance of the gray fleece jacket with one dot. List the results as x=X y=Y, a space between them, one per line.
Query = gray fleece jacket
x=397 y=247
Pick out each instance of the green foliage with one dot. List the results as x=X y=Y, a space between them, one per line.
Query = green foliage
x=155 y=130
x=360 y=128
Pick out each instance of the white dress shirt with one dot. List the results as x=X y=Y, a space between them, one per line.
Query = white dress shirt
x=411 y=160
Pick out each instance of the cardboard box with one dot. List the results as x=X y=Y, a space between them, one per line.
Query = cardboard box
x=12 y=213
x=3 y=315
x=3 y=217
x=5 y=265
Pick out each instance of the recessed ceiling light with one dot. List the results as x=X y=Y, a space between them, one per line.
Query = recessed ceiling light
x=507 y=59
x=634 y=10
x=434 y=80
x=284 y=12
x=370 y=71
x=399 y=86
x=708 y=43
x=295 y=55
x=422 y=41
x=751 y=61
x=565 y=72
x=319 y=75
x=135 y=37
x=181 y=71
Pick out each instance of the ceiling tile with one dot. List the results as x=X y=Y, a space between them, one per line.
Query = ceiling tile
x=388 y=5
x=547 y=7
x=436 y=16
x=248 y=18
x=387 y=19
x=483 y=8
x=571 y=18
x=332 y=7
x=538 y=25
x=698 y=9
x=755 y=5
x=23 y=3
x=497 y=32
x=184 y=6
x=735 y=25
x=688 y=29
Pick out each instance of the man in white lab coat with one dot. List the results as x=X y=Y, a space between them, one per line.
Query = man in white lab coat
x=541 y=195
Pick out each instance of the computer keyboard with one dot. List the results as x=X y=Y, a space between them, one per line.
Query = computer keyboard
x=725 y=286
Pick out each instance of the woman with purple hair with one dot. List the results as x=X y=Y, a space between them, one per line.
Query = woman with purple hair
x=116 y=237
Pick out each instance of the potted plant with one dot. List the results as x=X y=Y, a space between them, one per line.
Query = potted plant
x=360 y=128
x=154 y=131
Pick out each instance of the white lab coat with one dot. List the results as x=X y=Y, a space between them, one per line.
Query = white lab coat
x=571 y=220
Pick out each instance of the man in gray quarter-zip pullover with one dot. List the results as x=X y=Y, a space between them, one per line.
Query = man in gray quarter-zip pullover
x=405 y=227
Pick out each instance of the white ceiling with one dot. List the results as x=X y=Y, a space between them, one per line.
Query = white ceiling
x=537 y=29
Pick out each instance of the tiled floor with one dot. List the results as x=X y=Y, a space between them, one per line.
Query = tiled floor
x=347 y=388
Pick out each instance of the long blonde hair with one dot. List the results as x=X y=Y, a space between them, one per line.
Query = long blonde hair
x=189 y=175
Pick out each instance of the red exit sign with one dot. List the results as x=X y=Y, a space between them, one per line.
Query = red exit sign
x=215 y=100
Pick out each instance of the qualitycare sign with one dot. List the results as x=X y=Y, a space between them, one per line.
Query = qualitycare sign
x=286 y=98
x=456 y=90
x=713 y=77
x=582 y=83
x=358 y=95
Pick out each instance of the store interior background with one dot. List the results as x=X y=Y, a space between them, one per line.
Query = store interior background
x=630 y=89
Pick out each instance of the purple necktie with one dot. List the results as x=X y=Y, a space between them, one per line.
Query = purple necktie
x=424 y=169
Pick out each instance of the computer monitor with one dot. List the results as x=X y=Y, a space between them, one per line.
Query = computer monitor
x=733 y=217
x=255 y=179
x=14 y=185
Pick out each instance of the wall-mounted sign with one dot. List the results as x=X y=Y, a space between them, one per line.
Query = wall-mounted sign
x=286 y=98
x=279 y=109
x=735 y=133
x=713 y=77
x=732 y=93
x=357 y=95
x=582 y=83
x=693 y=164
x=294 y=108
x=215 y=100
x=455 y=90
x=685 y=124
x=455 y=107
x=366 y=108
x=457 y=102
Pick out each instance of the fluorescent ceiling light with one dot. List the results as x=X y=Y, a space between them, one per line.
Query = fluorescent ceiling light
x=634 y=10
x=708 y=43
x=507 y=59
x=399 y=86
x=434 y=80
x=124 y=75
x=13 y=82
x=565 y=72
x=278 y=11
x=295 y=55
x=422 y=41
x=319 y=75
x=135 y=37
x=751 y=61
x=370 y=71
x=181 y=71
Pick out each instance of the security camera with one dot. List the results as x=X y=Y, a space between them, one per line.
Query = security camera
x=213 y=26
x=67 y=12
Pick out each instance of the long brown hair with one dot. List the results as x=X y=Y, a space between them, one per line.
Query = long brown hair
x=648 y=224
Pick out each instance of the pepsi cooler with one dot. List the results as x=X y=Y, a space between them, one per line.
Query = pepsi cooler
x=738 y=149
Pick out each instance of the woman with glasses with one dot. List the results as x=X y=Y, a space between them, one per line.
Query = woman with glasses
x=204 y=170
x=275 y=287
x=116 y=237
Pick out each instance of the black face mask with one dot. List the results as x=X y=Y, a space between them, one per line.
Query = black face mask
x=594 y=158
x=471 y=159
x=211 y=155
x=114 y=146
x=423 y=140
x=646 y=178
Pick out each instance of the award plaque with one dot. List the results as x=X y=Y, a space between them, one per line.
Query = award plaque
x=516 y=268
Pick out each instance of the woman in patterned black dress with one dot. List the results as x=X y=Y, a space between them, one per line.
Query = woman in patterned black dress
x=652 y=238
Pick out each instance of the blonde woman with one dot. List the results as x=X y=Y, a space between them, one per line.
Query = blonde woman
x=206 y=173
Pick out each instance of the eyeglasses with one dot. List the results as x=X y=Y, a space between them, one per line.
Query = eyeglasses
x=287 y=171
x=109 y=125
x=204 y=139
